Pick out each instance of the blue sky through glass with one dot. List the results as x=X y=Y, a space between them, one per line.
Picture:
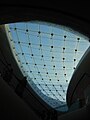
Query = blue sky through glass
x=48 y=55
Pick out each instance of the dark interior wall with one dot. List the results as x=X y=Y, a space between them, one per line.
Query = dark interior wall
x=80 y=114
x=5 y=51
x=80 y=79
x=79 y=92
x=6 y=58
x=12 y=107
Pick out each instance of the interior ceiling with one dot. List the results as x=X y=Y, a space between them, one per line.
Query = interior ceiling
x=72 y=8
x=71 y=14
x=77 y=11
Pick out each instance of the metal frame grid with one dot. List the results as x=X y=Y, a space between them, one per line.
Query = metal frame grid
x=48 y=55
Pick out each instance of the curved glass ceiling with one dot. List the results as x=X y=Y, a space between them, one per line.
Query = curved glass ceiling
x=48 y=54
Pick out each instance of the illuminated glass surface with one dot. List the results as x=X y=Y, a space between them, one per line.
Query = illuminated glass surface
x=48 y=54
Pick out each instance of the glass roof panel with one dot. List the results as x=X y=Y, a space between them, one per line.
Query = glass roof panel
x=48 y=54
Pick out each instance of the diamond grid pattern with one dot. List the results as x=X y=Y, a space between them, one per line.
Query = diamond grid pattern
x=48 y=55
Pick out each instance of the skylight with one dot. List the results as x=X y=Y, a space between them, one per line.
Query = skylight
x=48 y=55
